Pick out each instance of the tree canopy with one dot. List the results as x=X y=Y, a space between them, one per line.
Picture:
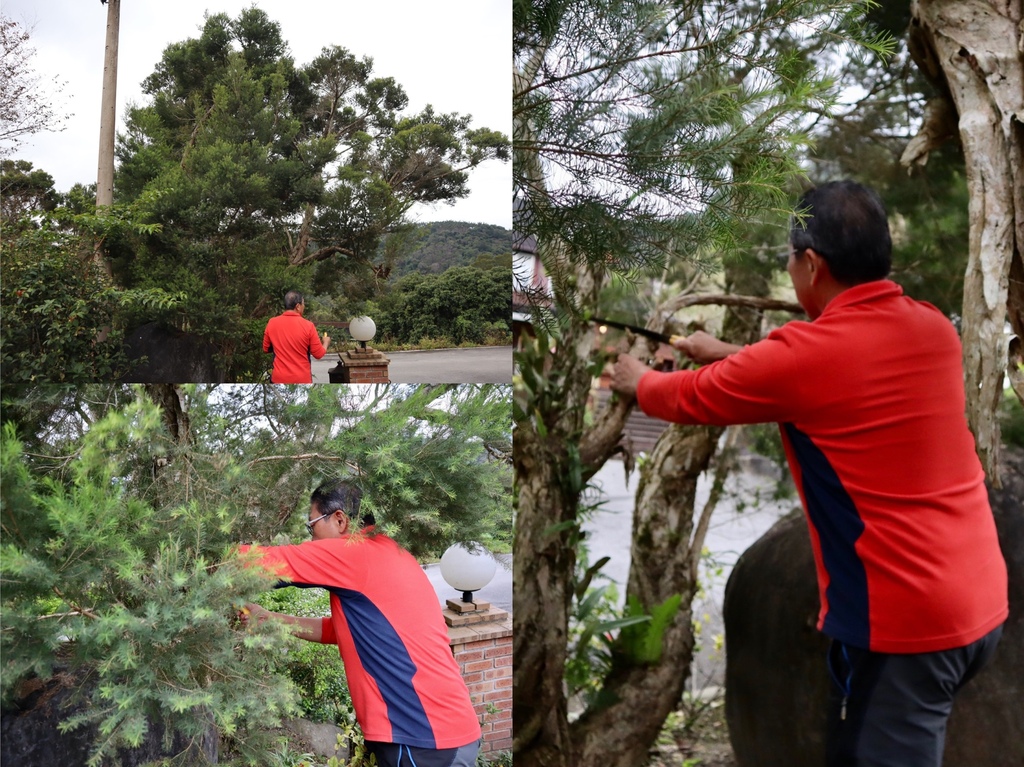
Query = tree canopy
x=258 y=168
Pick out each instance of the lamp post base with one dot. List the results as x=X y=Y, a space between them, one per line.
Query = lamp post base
x=360 y=366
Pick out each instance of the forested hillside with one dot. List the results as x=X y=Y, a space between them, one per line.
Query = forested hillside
x=445 y=244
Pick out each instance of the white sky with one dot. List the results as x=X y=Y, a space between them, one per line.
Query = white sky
x=452 y=54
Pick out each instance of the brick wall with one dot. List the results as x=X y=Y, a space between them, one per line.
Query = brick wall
x=376 y=374
x=364 y=366
x=484 y=653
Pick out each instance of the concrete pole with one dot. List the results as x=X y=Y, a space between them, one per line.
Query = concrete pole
x=105 y=172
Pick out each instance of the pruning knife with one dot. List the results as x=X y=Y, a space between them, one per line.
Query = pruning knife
x=652 y=334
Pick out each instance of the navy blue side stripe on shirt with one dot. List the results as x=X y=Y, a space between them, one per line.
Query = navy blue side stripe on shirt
x=385 y=658
x=838 y=524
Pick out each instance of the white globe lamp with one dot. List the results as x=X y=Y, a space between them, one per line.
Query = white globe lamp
x=467 y=567
x=362 y=329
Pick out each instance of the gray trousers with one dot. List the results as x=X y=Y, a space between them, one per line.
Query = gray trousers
x=398 y=755
x=890 y=710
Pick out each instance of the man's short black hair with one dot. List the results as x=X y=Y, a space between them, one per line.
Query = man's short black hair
x=343 y=496
x=846 y=224
x=292 y=299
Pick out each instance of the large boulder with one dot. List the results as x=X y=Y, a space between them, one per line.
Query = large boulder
x=776 y=681
x=160 y=355
x=29 y=734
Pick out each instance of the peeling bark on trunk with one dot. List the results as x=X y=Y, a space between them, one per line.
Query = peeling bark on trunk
x=549 y=472
x=171 y=398
x=972 y=49
x=297 y=255
x=540 y=621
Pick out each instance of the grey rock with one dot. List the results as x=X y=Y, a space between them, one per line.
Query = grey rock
x=776 y=681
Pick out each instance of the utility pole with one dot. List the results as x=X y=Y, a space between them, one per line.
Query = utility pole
x=108 y=110
x=108 y=114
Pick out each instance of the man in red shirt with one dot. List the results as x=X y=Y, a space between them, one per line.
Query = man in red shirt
x=409 y=696
x=869 y=397
x=292 y=339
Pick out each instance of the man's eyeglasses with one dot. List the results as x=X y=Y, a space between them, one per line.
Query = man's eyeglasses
x=309 y=525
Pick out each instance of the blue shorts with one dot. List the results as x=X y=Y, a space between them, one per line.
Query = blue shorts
x=398 y=755
x=890 y=710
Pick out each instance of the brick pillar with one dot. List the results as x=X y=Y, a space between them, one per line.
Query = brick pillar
x=360 y=366
x=482 y=645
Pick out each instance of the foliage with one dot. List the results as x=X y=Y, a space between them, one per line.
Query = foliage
x=865 y=139
x=120 y=517
x=316 y=670
x=503 y=759
x=146 y=596
x=61 y=320
x=687 y=124
x=23 y=191
x=463 y=304
x=646 y=135
x=25 y=106
x=267 y=168
x=594 y=621
x=1011 y=415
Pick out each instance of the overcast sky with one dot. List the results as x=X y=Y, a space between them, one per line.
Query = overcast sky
x=453 y=54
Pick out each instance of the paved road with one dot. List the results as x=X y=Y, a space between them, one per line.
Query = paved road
x=484 y=364
x=743 y=515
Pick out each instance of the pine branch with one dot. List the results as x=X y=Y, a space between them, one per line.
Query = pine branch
x=302 y=457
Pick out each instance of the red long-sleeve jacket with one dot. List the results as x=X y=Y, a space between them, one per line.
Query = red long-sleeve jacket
x=870 y=401
x=292 y=338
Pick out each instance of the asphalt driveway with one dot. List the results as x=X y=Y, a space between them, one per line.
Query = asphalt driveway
x=483 y=364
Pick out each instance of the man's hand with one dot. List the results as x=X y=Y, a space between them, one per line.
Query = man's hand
x=309 y=629
x=704 y=348
x=254 y=614
x=327 y=340
x=626 y=374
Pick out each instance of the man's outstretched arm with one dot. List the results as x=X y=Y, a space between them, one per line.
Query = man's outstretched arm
x=310 y=629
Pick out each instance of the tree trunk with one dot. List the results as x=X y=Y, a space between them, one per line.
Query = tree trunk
x=545 y=517
x=971 y=49
x=620 y=734
x=552 y=461
x=171 y=399
x=108 y=109
x=663 y=563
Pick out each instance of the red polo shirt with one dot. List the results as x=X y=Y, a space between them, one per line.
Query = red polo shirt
x=870 y=401
x=405 y=684
x=292 y=339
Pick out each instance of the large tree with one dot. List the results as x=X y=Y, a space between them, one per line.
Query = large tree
x=644 y=133
x=263 y=169
x=971 y=51
x=121 y=508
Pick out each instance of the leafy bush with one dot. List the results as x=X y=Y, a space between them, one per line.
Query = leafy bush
x=1011 y=418
x=145 y=597
x=315 y=669
x=119 y=519
x=58 y=317
x=464 y=304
